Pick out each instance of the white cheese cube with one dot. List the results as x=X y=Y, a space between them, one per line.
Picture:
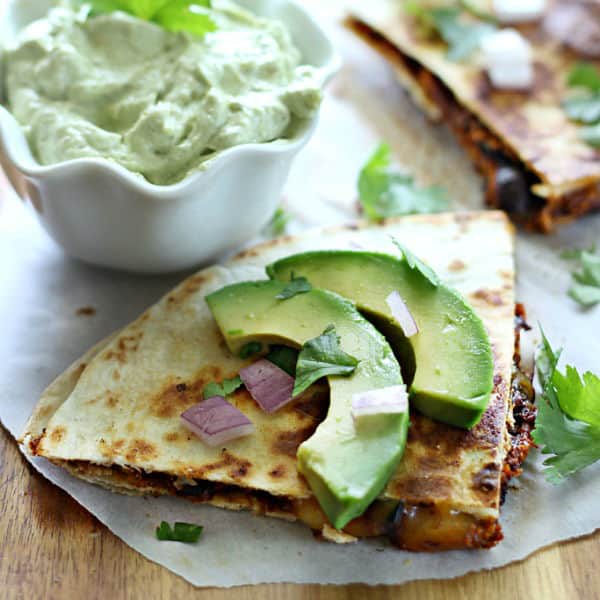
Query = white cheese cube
x=507 y=58
x=519 y=11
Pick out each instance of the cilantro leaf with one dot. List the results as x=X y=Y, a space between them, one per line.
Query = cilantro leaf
x=584 y=75
x=278 y=224
x=225 y=388
x=284 y=357
x=586 y=295
x=192 y=16
x=584 y=108
x=586 y=289
x=575 y=253
x=320 y=357
x=98 y=7
x=417 y=264
x=591 y=135
x=188 y=533
x=385 y=193
x=579 y=399
x=185 y=15
x=297 y=285
x=249 y=349
x=568 y=419
x=462 y=37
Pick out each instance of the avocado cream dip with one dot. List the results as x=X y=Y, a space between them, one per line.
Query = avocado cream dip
x=159 y=103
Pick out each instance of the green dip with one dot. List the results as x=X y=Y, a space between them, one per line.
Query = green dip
x=158 y=103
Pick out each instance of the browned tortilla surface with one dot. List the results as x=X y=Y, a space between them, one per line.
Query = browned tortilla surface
x=113 y=418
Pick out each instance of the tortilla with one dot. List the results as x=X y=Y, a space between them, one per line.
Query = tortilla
x=528 y=132
x=113 y=417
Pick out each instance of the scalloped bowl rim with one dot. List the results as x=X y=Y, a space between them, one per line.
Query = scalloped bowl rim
x=11 y=133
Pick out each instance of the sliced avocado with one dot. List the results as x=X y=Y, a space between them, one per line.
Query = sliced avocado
x=347 y=467
x=449 y=362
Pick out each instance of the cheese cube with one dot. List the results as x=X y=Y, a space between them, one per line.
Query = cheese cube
x=507 y=58
x=519 y=11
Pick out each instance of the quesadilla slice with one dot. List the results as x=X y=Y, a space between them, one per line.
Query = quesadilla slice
x=113 y=418
x=535 y=163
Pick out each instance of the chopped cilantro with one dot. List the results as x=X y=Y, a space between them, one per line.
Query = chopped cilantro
x=462 y=37
x=586 y=287
x=284 y=357
x=297 y=285
x=188 y=533
x=192 y=16
x=462 y=34
x=322 y=356
x=278 y=224
x=591 y=135
x=575 y=253
x=568 y=420
x=584 y=75
x=186 y=15
x=225 y=388
x=386 y=193
x=418 y=264
x=249 y=349
x=585 y=106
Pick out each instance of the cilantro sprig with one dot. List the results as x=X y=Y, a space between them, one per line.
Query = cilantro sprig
x=417 y=264
x=385 y=193
x=224 y=389
x=188 y=533
x=568 y=419
x=584 y=106
x=322 y=356
x=586 y=281
x=278 y=224
x=297 y=285
x=192 y=16
x=461 y=25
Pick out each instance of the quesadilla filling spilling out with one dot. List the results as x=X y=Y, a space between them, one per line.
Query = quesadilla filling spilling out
x=217 y=394
x=502 y=89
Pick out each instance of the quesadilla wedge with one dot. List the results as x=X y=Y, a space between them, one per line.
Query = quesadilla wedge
x=113 y=418
x=535 y=164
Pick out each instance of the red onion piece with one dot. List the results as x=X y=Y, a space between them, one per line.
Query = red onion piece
x=215 y=421
x=269 y=385
x=577 y=25
x=401 y=314
x=383 y=401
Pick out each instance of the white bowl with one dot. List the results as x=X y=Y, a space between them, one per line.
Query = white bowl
x=101 y=213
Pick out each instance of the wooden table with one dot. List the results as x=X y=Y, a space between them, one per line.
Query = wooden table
x=51 y=548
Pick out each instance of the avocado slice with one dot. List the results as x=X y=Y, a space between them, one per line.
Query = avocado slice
x=449 y=363
x=346 y=466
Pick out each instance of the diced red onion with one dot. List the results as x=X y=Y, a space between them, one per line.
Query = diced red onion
x=401 y=314
x=356 y=245
x=269 y=385
x=577 y=25
x=527 y=351
x=383 y=401
x=215 y=421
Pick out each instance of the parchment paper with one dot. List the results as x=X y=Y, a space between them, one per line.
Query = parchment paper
x=41 y=290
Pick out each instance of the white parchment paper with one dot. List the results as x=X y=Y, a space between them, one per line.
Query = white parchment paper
x=41 y=334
